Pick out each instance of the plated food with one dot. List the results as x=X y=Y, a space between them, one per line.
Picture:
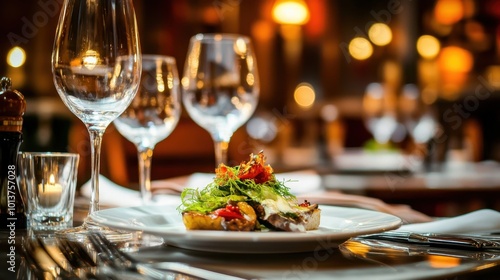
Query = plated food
x=247 y=197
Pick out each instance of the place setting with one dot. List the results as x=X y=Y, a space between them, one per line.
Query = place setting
x=263 y=142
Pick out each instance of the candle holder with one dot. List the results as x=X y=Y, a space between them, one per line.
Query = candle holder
x=47 y=182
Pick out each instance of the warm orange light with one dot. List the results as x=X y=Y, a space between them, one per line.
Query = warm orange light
x=360 y=48
x=443 y=261
x=493 y=75
x=455 y=59
x=304 y=95
x=315 y=27
x=290 y=12
x=262 y=30
x=428 y=46
x=448 y=11
x=380 y=34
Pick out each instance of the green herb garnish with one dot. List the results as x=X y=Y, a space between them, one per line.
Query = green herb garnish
x=250 y=181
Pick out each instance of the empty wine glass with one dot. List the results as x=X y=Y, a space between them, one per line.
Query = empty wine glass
x=417 y=116
x=220 y=86
x=421 y=123
x=379 y=113
x=96 y=63
x=153 y=114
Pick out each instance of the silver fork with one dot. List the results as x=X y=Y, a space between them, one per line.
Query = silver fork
x=78 y=258
x=44 y=262
x=81 y=257
x=117 y=259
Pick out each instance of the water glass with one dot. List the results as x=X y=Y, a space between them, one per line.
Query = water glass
x=48 y=182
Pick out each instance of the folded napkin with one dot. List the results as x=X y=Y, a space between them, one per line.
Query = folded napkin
x=484 y=220
x=113 y=195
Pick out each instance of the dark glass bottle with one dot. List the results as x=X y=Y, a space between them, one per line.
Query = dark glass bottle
x=12 y=108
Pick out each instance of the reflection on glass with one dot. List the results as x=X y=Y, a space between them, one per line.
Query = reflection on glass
x=379 y=114
x=416 y=115
x=220 y=86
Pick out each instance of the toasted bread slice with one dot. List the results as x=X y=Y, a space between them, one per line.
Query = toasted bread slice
x=194 y=220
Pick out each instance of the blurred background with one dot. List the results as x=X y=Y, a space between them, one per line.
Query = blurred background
x=417 y=77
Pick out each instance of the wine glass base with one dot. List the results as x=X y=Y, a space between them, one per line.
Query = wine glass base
x=81 y=233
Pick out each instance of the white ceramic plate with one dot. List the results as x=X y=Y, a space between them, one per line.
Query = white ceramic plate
x=337 y=225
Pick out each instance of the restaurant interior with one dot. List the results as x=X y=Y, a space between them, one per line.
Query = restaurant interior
x=379 y=119
x=336 y=78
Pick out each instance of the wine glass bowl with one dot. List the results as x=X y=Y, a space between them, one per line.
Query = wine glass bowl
x=96 y=65
x=220 y=85
x=153 y=114
x=416 y=115
x=88 y=90
x=379 y=113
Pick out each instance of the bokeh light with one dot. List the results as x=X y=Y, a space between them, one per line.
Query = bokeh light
x=16 y=57
x=455 y=59
x=329 y=113
x=428 y=46
x=262 y=128
x=304 y=95
x=448 y=11
x=291 y=12
x=360 y=48
x=380 y=34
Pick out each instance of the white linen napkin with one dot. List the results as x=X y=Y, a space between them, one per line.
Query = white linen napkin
x=113 y=195
x=484 y=220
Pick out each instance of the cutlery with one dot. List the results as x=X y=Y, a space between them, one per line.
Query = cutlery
x=75 y=254
x=391 y=248
x=119 y=260
x=45 y=261
x=461 y=241
x=29 y=257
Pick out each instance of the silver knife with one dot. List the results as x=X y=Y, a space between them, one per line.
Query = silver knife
x=461 y=241
x=379 y=246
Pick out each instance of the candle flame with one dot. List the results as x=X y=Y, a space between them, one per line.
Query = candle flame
x=52 y=180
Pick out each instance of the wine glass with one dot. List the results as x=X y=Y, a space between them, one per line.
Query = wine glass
x=96 y=64
x=379 y=113
x=421 y=123
x=153 y=114
x=220 y=86
x=417 y=116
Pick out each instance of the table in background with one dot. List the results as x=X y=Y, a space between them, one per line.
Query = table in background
x=449 y=192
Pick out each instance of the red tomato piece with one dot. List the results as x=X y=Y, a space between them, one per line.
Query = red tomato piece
x=229 y=213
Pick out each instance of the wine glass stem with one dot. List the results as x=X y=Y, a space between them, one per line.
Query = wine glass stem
x=96 y=140
x=145 y=155
x=221 y=152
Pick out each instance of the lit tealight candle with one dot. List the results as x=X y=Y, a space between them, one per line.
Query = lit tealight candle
x=50 y=193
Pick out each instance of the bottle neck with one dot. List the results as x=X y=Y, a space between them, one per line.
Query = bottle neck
x=10 y=143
